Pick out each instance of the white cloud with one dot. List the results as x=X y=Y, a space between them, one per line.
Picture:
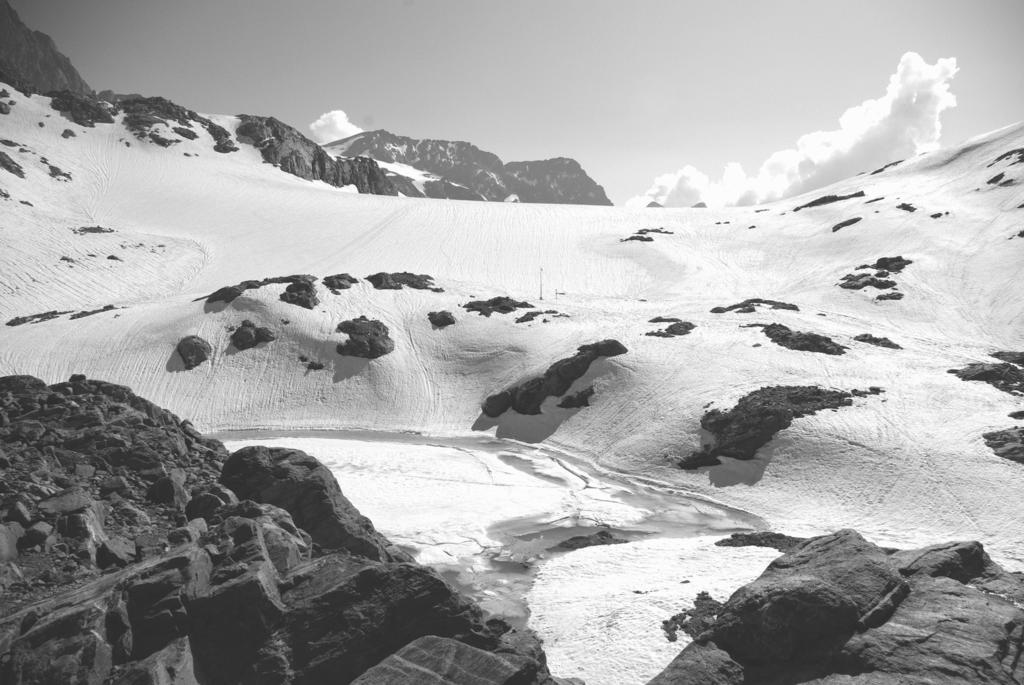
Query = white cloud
x=332 y=126
x=903 y=122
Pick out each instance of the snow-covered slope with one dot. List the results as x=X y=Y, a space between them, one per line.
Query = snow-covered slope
x=907 y=467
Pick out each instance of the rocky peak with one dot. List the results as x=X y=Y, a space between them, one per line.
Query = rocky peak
x=32 y=58
x=558 y=180
x=284 y=147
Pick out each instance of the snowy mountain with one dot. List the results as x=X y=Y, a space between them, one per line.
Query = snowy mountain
x=460 y=170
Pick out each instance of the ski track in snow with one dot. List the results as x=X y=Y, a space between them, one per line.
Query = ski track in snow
x=906 y=468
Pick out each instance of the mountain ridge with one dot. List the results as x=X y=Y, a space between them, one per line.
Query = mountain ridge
x=556 y=180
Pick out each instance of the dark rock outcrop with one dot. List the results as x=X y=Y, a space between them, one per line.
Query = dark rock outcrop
x=739 y=432
x=249 y=335
x=527 y=397
x=865 y=280
x=876 y=341
x=802 y=341
x=301 y=293
x=337 y=282
x=749 y=306
x=142 y=114
x=289 y=150
x=1007 y=443
x=193 y=351
x=441 y=319
x=230 y=293
x=890 y=296
x=83 y=109
x=367 y=338
x=31 y=58
x=1009 y=356
x=398 y=280
x=673 y=330
x=828 y=199
x=1006 y=376
x=10 y=166
x=779 y=541
x=501 y=305
x=847 y=222
x=838 y=609
x=306 y=489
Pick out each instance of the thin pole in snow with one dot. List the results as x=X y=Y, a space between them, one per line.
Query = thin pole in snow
x=542 y=283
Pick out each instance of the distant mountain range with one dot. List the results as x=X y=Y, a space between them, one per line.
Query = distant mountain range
x=461 y=170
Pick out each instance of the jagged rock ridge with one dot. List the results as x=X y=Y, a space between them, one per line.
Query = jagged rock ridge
x=558 y=180
x=32 y=57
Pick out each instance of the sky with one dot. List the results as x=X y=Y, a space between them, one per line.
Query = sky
x=654 y=98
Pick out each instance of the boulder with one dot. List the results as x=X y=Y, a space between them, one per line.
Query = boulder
x=501 y=305
x=249 y=335
x=301 y=294
x=801 y=340
x=367 y=338
x=306 y=489
x=337 y=282
x=441 y=319
x=194 y=351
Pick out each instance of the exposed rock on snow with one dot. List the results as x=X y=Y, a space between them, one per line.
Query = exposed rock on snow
x=441 y=319
x=337 y=282
x=84 y=110
x=141 y=115
x=1006 y=376
x=249 y=335
x=860 y=281
x=838 y=606
x=906 y=207
x=894 y=264
x=367 y=338
x=501 y=305
x=301 y=293
x=36 y=318
x=398 y=280
x=673 y=330
x=1011 y=357
x=890 y=296
x=286 y=148
x=193 y=351
x=750 y=306
x=1007 y=443
x=527 y=397
x=847 y=222
x=229 y=293
x=530 y=316
x=828 y=199
x=779 y=541
x=10 y=166
x=739 y=432
x=877 y=341
x=800 y=340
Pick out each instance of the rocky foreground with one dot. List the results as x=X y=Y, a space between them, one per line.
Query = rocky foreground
x=135 y=550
